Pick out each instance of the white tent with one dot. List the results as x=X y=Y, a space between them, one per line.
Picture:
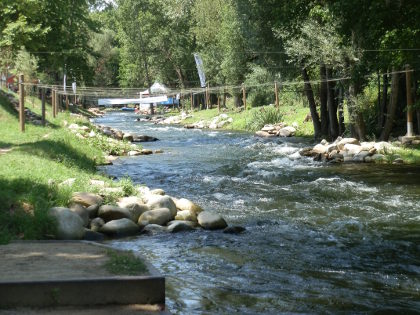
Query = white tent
x=156 y=88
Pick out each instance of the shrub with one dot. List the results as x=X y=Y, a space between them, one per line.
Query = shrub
x=264 y=116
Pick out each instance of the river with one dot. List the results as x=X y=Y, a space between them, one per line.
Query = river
x=319 y=238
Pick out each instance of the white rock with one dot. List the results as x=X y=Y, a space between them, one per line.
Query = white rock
x=185 y=204
x=157 y=201
x=319 y=148
x=287 y=132
x=345 y=141
x=352 y=148
x=186 y=215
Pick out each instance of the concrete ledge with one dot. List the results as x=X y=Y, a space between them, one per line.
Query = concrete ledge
x=124 y=290
x=55 y=274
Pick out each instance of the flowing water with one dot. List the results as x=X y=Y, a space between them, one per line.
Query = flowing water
x=319 y=238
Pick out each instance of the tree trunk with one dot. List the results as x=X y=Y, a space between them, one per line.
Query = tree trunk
x=383 y=105
x=323 y=95
x=237 y=100
x=341 y=126
x=392 y=107
x=332 y=109
x=312 y=105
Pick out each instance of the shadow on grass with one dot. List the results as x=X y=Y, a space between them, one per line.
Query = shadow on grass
x=23 y=209
x=7 y=105
x=59 y=152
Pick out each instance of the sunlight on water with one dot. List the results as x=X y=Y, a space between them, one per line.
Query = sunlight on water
x=319 y=239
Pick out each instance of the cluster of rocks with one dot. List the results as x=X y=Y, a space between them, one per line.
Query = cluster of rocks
x=216 y=123
x=351 y=150
x=114 y=137
x=94 y=111
x=88 y=218
x=277 y=130
x=127 y=136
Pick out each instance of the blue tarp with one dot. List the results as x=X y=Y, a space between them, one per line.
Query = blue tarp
x=170 y=101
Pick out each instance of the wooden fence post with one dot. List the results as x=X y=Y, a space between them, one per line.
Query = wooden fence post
x=67 y=102
x=218 y=102
x=224 y=97
x=43 y=106
x=52 y=102
x=244 y=95
x=408 y=73
x=276 y=91
x=21 y=103
x=192 y=101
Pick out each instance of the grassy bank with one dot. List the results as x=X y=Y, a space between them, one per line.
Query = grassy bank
x=33 y=165
x=254 y=118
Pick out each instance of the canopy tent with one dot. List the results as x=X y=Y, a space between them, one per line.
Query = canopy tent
x=156 y=88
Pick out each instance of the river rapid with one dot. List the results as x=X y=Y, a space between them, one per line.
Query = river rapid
x=319 y=238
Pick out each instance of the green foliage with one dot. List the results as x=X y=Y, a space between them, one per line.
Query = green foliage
x=261 y=93
x=26 y=64
x=125 y=263
x=264 y=116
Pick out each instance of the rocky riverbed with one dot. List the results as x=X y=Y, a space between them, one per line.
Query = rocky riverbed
x=351 y=150
x=150 y=211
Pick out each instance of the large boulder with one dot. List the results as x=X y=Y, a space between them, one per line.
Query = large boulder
x=352 y=149
x=343 y=142
x=158 y=202
x=121 y=227
x=154 y=229
x=110 y=213
x=96 y=224
x=320 y=149
x=157 y=216
x=70 y=225
x=134 y=205
x=185 y=204
x=81 y=211
x=86 y=199
x=93 y=211
x=211 y=221
x=288 y=131
x=186 y=215
x=180 y=226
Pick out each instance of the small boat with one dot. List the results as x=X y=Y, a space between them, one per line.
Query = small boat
x=128 y=109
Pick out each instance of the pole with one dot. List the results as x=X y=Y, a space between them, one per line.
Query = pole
x=207 y=95
x=244 y=95
x=21 y=103
x=224 y=97
x=408 y=73
x=67 y=102
x=218 y=102
x=53 y=102
x=192 y=101
x=276 y=91
x=43 y=106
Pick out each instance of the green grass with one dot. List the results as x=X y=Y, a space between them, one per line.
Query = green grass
x=125 y=263
x=243 y=121
x=40 y=159
x=410 y=155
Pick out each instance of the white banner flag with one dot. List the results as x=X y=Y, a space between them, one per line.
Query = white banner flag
x=64 y=82
x=200 y=69
x=73 y=86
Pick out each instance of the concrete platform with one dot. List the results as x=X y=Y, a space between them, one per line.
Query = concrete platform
x=58 y=274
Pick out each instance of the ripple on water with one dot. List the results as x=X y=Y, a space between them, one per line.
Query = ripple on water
x=319 y=239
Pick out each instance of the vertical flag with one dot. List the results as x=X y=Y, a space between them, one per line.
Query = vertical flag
x=64 y=82
x=200 y=69
x=73 y=86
